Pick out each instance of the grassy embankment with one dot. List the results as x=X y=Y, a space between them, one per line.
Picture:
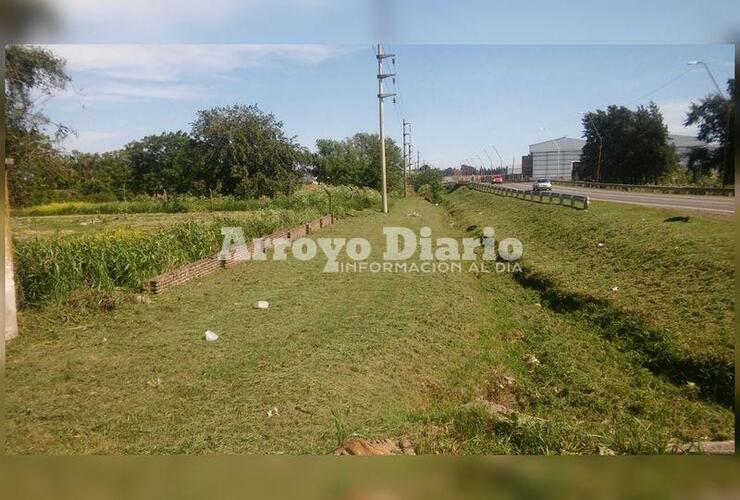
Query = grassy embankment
x=437 y=357
x=661 y=289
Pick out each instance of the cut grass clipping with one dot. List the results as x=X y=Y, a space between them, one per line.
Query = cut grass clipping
x=664 y=292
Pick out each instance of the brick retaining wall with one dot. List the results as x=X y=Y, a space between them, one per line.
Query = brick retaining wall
x=211 y=264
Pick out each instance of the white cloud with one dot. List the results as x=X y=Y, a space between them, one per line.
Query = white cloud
x=155 y=18
x=674 y=114
x=162 y=63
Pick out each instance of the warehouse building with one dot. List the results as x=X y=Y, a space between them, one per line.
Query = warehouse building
x=685 y=144
x=554 y=159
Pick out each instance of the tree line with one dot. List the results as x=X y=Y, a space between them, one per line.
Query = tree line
x=632 y=146
x=236 y=150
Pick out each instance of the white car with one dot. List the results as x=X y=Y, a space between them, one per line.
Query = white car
x=542 y=185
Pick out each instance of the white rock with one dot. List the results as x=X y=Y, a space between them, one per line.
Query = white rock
x=273 y=412
x=210 y=336
x=600 y=245
x=261 y=304
x=615 y=288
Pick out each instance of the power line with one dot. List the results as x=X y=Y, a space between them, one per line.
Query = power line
x=661 y=87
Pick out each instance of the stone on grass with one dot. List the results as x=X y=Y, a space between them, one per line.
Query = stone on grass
x=210 y=336
x=261 y=304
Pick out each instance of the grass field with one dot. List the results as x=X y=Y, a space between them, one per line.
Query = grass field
x=25 y=228
x=430 y=356
x=662 y=288
x=320 y=197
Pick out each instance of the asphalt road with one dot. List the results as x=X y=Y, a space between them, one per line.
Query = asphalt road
x=715 y=204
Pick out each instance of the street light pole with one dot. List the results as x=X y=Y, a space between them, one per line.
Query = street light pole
x=709 y=72
x=490 y=160
x=501 y=160
x=728 y=162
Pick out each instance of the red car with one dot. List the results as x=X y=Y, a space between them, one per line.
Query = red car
x=497 y=179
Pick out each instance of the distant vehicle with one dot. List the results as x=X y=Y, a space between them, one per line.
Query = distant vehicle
x=497 y=179
x=542 y=185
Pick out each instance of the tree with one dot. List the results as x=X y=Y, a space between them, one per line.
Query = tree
x=356 y=161
x=635 y=145
x=427 y=182
x=161 y=162
x=468 y=170
x=32 y=75
x=715 y=115
x=99 y=176
x=426 y=175
x=243 y=151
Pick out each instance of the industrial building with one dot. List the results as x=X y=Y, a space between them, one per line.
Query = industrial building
x=685 y=144
x=553 y=159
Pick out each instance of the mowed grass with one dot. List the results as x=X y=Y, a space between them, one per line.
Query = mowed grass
x=335 y=353
x=663 y=288
x=378 y=355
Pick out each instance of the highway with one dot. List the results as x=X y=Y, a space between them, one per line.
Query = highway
x=714 y=204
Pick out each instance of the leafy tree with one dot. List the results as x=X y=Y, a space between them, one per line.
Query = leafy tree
x=448 y=172
x=243 y=151
x=468 y=170
x=103 y=176
x=635 y=145
x=161 y=162
x=427 y=182
x=356 y=161
x=39 y=170
x=426 y=175
x=715 y=115
x=33 y=74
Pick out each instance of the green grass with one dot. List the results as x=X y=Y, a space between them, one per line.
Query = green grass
x=58 y=256
x=675 y=301
x=123 y=259
x=25 y=228
x=377 y=355
x=342 y=198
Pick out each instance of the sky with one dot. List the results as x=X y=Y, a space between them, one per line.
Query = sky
x=463 y=101
x=395 y=21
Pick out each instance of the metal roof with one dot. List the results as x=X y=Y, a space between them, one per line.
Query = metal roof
x=564 y=143
x=570 y=144
x=687 y=141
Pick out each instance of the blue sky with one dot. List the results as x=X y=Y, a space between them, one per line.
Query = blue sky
x=461 y=99
x=397 y=21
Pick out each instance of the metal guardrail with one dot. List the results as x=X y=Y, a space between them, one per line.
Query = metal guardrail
x=650 y=189
x=535 y=196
